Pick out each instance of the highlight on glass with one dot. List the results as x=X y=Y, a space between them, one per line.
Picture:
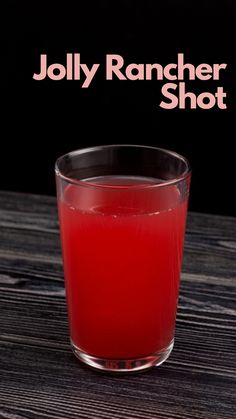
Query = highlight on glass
x=122 y=212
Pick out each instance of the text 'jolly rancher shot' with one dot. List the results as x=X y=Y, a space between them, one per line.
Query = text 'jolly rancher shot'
x=173 y=91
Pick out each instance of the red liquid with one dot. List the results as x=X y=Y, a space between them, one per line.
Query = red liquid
x=122 y=250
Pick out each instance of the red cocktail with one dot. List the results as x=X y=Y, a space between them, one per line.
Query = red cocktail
x=122 y=240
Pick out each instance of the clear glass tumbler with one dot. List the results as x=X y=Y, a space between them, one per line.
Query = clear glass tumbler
x=122 y=212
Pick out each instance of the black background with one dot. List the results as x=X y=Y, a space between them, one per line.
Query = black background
x=42 y=120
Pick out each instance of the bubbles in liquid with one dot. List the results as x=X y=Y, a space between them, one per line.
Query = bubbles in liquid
x=123 y=181
x=117 y=196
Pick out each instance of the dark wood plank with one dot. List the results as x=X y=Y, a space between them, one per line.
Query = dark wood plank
x=40 y=377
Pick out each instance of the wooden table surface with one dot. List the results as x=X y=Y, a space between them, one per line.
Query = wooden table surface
x=39 y=375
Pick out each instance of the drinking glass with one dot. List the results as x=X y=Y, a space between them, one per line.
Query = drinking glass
x=122 y=212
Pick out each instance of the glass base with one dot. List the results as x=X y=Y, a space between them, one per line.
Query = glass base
x=123 y=365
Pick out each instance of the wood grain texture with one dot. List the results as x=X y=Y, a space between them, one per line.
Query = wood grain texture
x=39 y=375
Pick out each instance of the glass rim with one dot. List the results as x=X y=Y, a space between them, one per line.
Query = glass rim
x=185 y=175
